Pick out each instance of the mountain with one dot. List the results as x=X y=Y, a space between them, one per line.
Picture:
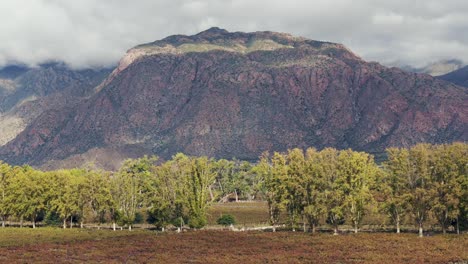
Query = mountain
x=237 y=94
x=458 y=77
x=27 y=92
x=435 y=68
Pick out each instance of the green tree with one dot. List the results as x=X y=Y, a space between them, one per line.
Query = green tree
x=357 y=170
x=28 y=193
x=294 y=181
x=66 y=194
x=314 y=189
x=131 y=188
x=234 y=177
x=460 y=157
x=168 y=203
x=269 y=184
x=5 y=178
x=336 y=189
x=98 y=196
x=394 y=187
x=196 y=190
x=445 y=179
x=419 y=184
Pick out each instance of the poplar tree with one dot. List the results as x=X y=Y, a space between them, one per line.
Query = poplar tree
x=419 y=184
x=395 y=189
x=314 y=189
x=445 y=179
x=335 y=192
x=28 y=195
x=201 y=177
x=131 y=186
x=357 y=170
x=294 y=182
x=5 y=179
x=269 y=184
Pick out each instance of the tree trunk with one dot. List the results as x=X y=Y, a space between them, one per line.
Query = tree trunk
x=458 y=227
x=421 y=234
x=113 y=226
x=211 y=194
x=33 y=221
x=129 y=227
x=21 y=222
x=64 y=223
x=304 y=225
x=274 y=228
x=313 y=228
x=398 y=224
x=71 y=222
x=81 y=224
x=237 y=196
x=355 y=227
x=335 y=231
x=3 y=222
x=444 y=230
x=163 y=229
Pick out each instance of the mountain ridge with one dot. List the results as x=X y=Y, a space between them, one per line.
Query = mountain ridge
x=224 y=103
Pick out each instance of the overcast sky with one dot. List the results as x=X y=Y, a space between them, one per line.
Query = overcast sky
x=98 y=32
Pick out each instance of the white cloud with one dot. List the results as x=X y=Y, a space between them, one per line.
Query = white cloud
x=94 y=33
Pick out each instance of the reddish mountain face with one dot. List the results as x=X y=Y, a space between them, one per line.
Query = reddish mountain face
x=230 y=95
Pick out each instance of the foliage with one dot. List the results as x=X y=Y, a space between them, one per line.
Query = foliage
x=226 y=220
x=424 y=183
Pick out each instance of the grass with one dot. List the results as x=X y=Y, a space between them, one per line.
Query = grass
x=47 y=245
x=245 y=213
x=51 y=245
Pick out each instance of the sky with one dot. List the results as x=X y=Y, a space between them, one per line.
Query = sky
x=96 y=33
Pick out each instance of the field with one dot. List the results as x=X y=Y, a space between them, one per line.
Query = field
x=245 y=213
x=48 y=245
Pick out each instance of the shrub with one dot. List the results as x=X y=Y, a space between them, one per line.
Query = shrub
x=226 y=220
x=197 y=221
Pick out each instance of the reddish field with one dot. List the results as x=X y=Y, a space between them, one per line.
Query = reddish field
x=235 y=247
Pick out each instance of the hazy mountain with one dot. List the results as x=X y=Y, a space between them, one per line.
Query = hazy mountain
x=459 y=77
x=436 y=68
x=26 y=92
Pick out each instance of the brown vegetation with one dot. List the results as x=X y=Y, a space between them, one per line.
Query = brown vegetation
x=237 y=247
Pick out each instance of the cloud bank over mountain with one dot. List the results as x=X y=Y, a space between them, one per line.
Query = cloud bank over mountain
x=97 y=33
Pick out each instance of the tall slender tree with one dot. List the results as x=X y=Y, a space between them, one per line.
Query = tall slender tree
x=357 y=171
x=394 y=187
x=419 y=184
x=314 y=188
x=5 y=179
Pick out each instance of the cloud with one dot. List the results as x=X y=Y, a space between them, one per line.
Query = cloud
x=97 y=33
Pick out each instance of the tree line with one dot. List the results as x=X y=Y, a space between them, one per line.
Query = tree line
x=334 y=186
x=308 y=187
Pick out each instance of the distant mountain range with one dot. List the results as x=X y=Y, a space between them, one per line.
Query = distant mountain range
x=26 y=93
x=223 y=94
x=459 y=77
x=438 y=68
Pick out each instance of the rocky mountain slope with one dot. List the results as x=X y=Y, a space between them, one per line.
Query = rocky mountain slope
x=238 y=94
x=458 y=77
x=25 y=93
